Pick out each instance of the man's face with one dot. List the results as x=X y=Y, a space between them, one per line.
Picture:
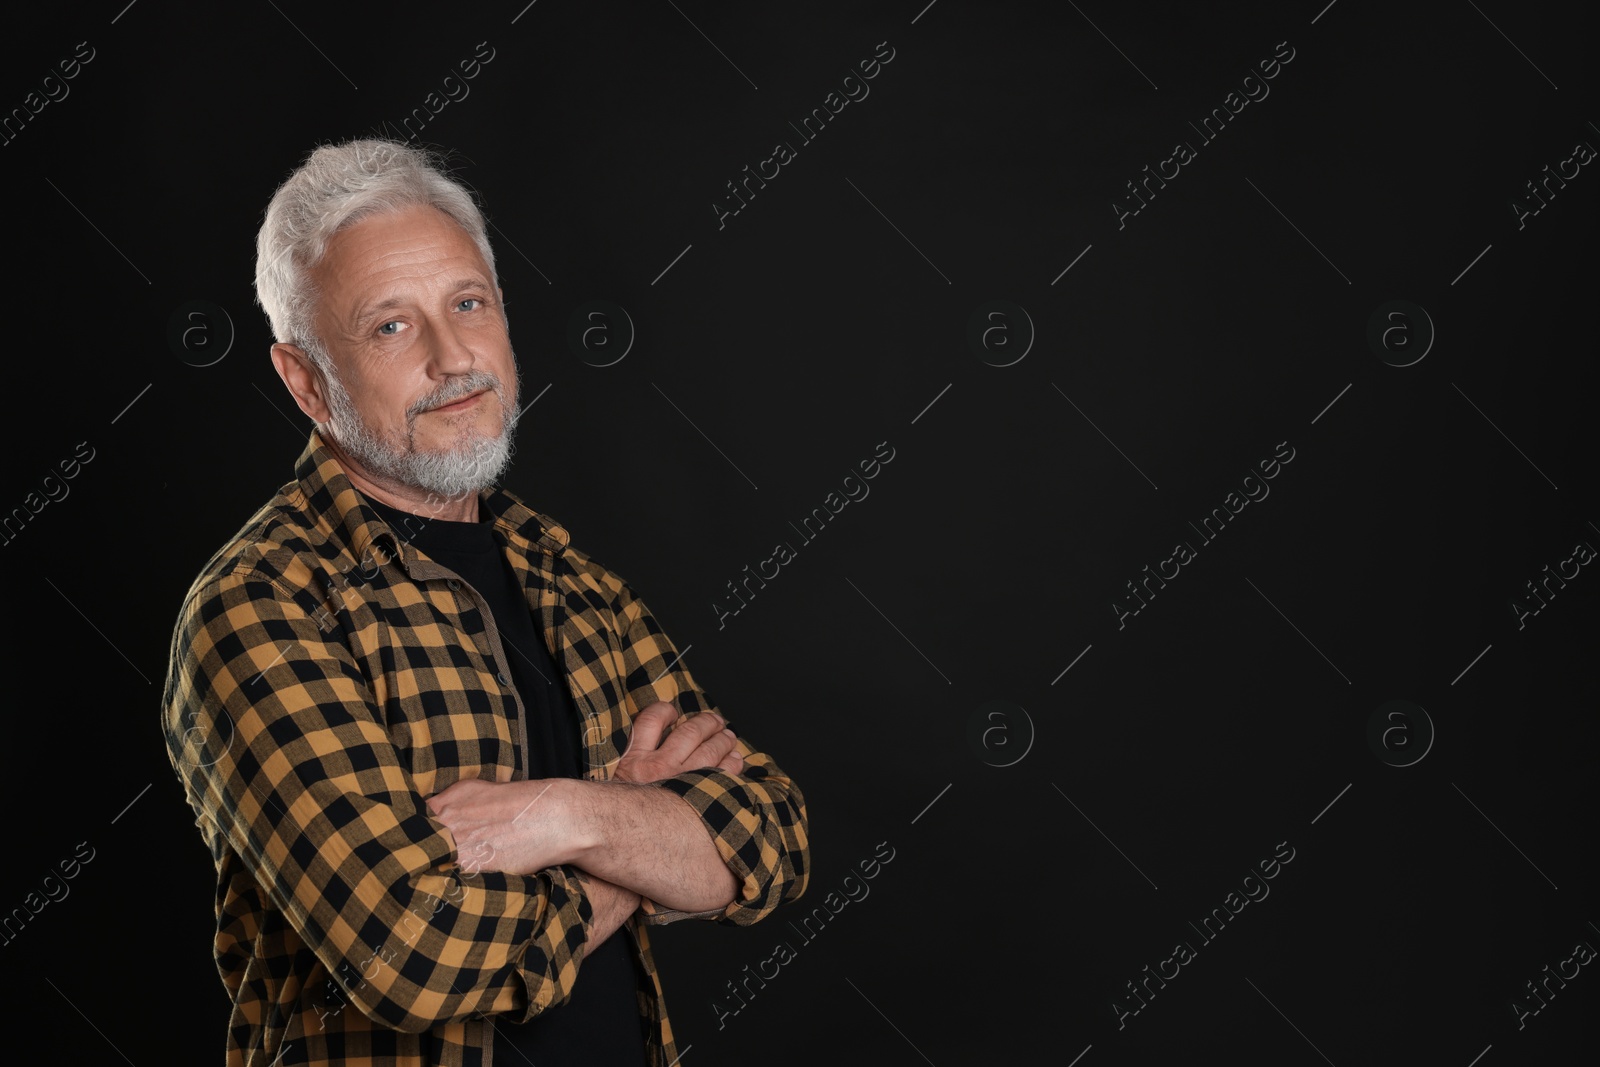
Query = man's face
x=427 y=383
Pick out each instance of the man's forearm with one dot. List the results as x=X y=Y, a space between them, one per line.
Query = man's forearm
x=645 y=839
x=642 y=837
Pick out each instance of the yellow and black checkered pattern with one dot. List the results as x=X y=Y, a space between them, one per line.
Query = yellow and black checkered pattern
x=325 y=678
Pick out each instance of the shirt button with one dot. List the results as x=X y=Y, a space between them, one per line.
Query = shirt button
x=453 y=584
x=503 y=679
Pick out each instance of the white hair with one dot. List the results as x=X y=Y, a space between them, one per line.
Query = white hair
x=336 y=186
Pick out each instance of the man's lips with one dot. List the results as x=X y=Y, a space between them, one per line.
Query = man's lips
x=459 y=405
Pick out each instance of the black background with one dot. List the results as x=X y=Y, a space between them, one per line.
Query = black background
x=829 y=316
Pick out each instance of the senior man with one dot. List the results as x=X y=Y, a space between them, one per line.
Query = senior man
x=449 y=767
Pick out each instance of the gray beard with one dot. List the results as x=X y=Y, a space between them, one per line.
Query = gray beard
x=477 y=462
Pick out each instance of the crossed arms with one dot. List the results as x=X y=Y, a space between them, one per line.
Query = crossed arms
x=634 y=841
x=297 y=766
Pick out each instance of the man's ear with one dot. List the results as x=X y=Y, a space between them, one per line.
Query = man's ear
x=302 y=379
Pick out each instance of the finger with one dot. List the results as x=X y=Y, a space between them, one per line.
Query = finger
x=650 y=724
x=732 y=763
x=689 y=734
x=713 y=750
x=440 y=800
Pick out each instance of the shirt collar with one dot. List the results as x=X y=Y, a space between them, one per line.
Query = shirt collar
x=336 y=501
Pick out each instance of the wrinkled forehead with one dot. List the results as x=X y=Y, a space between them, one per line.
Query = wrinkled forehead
x=389 y=258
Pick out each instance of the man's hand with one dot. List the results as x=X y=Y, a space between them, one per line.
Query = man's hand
x=505 y=826
x=696 y=743
x=642 y=841
x=612 y=905
x=491 y=834
x=523 y=827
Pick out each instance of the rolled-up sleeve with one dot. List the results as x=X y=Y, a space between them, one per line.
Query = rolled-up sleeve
x=274 y=732
x=758 y=818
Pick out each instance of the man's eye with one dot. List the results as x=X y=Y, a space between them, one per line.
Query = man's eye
x=386 y=331
x=471 y=300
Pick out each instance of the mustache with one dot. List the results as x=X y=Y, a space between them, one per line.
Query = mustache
x=457 y=388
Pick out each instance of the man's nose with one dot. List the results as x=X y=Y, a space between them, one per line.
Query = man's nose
x=448 y=350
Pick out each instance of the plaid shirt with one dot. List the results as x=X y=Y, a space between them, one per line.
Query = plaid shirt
x=325 y=677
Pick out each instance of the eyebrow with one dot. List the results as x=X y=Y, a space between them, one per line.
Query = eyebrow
x=367 y=312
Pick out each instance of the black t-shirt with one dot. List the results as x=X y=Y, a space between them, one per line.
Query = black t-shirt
x=600 y=1023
